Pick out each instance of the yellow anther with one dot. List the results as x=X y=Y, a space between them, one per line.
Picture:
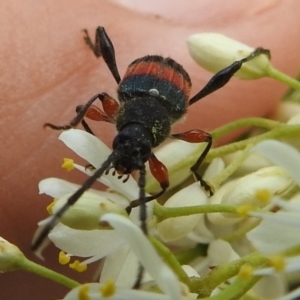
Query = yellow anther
x=108 y=288
x=243 y=210
x=50 y=206
x=78 y=266
x=277 y=262
x=83 y=293
x=63 y=258
x=245 y=272
x=263 y=195
x=68 y=164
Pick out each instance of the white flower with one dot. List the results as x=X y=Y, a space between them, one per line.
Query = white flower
x=215 y=52
x=78 y=241
x=253 y=189
x=139 y=244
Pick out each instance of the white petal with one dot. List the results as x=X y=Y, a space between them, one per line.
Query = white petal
x=201 y=233
x=276 y=233
x=129 y=188
x=176 y=228
x=293 y=205
x=271 y=287
x=145 y=252
x=282 y=155
x=56 y=187
x=190 y=272
x=221 y=252
x=120 y=294
x=86 y=146
x=214 y=168
x=85 y=243
x=121 y=266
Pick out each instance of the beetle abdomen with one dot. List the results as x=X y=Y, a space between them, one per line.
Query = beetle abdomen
x=159 y=77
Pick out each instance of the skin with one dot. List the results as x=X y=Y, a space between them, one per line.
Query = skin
x=46 y=70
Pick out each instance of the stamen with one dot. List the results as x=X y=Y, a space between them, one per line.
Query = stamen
x=277 y=262
x=108 y=289
x=78 y=266
x=243 y=210
x=246 y=272
x=50 y=206
x=63 y=258
x=68 y=164
x=263 y=195
x=83 y=293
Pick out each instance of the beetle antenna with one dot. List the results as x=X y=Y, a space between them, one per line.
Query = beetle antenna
x=142 y=198
x=143 y=218
x=37 y=242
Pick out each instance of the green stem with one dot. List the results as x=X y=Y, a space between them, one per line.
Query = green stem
x=247 y=122
x=170 y=259
x=280 y=131
x=240 y=232
x=37 y=269
x=236 y=290
x=205 y=285
x=163 y=213
x=230 y=169
x=277 y=75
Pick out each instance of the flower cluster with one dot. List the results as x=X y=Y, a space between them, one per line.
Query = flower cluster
x=241 y=242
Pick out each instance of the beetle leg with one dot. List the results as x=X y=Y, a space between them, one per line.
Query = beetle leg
x=104 y=47
x=222 y=77
x=197 y=136
x=110 y=107
x=160 y=173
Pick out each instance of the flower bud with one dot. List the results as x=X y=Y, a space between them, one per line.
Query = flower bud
x=175 y=228
x=10 y=256
x=255 y=189
x=214 y=52
x=85 y=214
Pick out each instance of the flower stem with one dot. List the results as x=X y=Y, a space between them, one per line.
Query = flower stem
x=170 y=259
x=205 y=285
x=279 y=131
x=277 y=75
x=236 y=290
x=163 y=213
x=247 y=122
x=240 y=232
x=37 y=269
x=230 y=169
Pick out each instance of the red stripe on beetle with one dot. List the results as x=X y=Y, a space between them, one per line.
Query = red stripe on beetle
x=161 y=71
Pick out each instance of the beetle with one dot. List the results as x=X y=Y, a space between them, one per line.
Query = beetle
x=153 y=94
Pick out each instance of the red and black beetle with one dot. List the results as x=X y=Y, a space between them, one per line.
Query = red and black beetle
x=153 y=94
